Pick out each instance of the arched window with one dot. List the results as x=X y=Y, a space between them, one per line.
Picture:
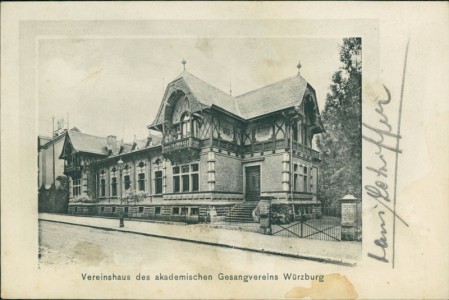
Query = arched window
x=127 y=177
x=114 y=182
x=141 y=176
x=185 y=123
x=102 y=191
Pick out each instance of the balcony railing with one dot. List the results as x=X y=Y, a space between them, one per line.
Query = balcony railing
x=182 y=144
x=281 y=144
x=71 y=168
x=306 y=151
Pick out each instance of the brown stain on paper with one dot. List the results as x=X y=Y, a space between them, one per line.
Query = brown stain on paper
x=334 y=286
x=94 y=254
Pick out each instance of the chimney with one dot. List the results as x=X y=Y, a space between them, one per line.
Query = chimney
x=149 y=140
x=112 y=141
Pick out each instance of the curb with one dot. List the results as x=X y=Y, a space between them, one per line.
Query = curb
x=264 y=251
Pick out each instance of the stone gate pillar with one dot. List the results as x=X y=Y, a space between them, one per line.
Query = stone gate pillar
x=349 y=205
x=264 y=214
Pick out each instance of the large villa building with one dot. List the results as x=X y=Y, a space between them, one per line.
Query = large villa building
x=206 y=150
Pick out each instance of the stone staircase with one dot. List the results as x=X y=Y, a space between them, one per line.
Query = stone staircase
x=242 y=212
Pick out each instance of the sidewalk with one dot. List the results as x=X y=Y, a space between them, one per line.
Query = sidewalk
x=343 y=253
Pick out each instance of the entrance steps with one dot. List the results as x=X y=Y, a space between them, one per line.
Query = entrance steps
x=242 y=212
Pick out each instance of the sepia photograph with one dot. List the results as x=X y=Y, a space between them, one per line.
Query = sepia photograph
x=272 y=161
x=223 y=151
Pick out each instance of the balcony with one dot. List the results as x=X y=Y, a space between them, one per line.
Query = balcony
x=68 y=169
x=306 y=151
x=181 y=150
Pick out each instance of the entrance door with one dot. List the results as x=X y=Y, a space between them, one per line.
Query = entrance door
x=252 y=183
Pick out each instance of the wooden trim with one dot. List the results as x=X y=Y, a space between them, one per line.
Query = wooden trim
x=253 y=159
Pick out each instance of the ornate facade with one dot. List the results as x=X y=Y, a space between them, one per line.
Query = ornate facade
x=212 y=150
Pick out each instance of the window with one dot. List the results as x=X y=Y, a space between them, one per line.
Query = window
x=185 y=119
x=141 y=176
x=140 y=209
x=158 y=178
x=114 y=182
x=186 y=178
x=295 y=182
x=306 y=138
x=313 y=178
x=127 y=180
x=195 y=182
x=114 y=186
x=102 y=191
x=228 y=134
x=113 y=209
x=176 y=187
x=300 y=178
x=126 y=209
x=194 y=211
x=295 y=131
x=305 y=179
x=76 y=208
x=185 y=183
x=102 y=208
x=299 y=133
x=175 y=211
x=102 y=187
x=195 y=178
x=184 y=211
x=157 y=210
x=295 y=178
x=226 y=130
x=141 y=182
x=76 y=187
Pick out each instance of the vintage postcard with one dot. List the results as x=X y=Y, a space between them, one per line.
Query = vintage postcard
x=195 y=150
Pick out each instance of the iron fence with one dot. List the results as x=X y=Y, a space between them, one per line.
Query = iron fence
x=321 y=223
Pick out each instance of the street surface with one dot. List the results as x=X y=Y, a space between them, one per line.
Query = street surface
x=70 y=244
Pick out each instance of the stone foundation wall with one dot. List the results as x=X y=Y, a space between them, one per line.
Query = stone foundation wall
x=164 y=212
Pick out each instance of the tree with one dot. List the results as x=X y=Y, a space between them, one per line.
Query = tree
x=341 y=144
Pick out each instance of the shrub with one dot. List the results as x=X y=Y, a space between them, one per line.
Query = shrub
x=133 y=196
x=281 y=214
x=82 y=199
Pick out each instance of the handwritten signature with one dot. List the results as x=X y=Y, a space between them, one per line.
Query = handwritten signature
x=379 y=191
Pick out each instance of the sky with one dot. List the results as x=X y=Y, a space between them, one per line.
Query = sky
x=115 y=86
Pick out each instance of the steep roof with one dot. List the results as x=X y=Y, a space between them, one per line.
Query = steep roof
x=273 y=97
x=83 y=142
x=207 y=94
x=45 y=141
x=270 y=98
x=88 y=143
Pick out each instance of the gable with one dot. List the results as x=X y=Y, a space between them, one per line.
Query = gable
x=81 y=142
x=195 y=95
x=67 y=148
x=189 y=93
